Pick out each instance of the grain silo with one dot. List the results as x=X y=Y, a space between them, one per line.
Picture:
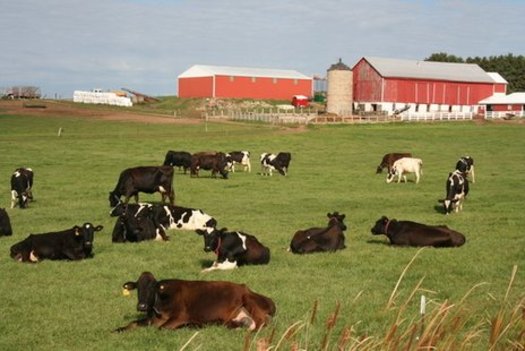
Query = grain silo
x=339 y=90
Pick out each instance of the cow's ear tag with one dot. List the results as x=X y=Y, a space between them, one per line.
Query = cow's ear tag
x=161 y=287
x=126 y=292
x=77 y=232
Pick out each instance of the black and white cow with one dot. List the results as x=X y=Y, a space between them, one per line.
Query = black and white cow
x=272 y=162
x=466 y=166
x=240 y=157
x=21 y=187
x=135 y=223
x=5 y=223
x=233 y=249
x=180 y=159
x=71 y=244
x=457 y=190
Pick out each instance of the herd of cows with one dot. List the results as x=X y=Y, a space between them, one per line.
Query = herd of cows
x=175 y=303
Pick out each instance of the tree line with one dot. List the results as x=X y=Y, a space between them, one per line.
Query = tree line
x=510 y=67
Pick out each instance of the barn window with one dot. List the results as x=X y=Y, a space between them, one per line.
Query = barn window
x=295 y=82
x=232 y=78
x=254 y=79
x=274 y=80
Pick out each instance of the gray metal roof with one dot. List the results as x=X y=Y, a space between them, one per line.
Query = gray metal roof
x=457 y=72
x=210 y=71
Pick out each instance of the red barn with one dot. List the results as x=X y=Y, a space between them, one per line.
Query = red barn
x=243 y=82
x=381 y=84
x=501 y=105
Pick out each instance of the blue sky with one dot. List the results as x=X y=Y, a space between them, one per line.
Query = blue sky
x=64 y=45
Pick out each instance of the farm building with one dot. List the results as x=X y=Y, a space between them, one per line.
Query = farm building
x=501 y=105
x=383 y=84
x=243 y=82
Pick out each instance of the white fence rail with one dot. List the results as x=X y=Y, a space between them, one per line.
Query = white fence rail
x=275 y=116
x=436 y=116
x=504 y=114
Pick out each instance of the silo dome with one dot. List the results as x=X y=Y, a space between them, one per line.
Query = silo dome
x=339 y=90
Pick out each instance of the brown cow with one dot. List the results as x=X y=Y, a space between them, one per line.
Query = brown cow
x=175 y=303
x=217 y=162
x=389 y=159
x=329 y=238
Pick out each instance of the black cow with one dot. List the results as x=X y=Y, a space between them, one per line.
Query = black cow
x=407 y=233
x=21 y=187
x=71 y=244
x=389 y=159
x=216 y=162
x=329 y=238
x=174 y=303
x=279 y=162
x=143 y=179
x=181 y=159
x=136 y=223
x=457 y=190
x=5 y=223
x=240 y=157
x=233 y=249
x=466 y=166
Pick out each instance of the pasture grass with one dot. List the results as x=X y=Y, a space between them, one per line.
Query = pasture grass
x=346 y=299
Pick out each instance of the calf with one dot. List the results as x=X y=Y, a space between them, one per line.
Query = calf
x=279 y=162
x=5 y=223
x=181 y=159
x=389 y=159
x=135 y=223
x=329 y=238
x=240 y=157
x=71 y=244
x=233 y=249
x=21 y=187
x=405 y=165
x=143 y=179
x=217 y=162
x=466 y=166
x=174 y=303
x=456 y=191
x=406 y=233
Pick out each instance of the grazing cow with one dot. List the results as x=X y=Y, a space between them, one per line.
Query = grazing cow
x=5 y=223
x=466 y=166
x=240 y=157
x=217 y=162
x=143 y=179
x=71 y=244
x=174 y=303
x=233 y=249
x=135 y=223
x=389 y=159
x=329 y=238
x=405 y=165
x=407 y=233
x=21 y=187
x=181 y=159
x=456 y=191
x=272 y=162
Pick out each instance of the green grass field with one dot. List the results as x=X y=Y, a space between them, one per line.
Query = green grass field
x=56 y=305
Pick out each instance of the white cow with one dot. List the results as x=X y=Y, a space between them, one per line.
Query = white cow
x=405 y=165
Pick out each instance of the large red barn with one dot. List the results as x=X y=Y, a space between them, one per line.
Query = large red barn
x=382 y=84
x=243 y=82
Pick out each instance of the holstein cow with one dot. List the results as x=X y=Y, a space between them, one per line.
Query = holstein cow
x=71 y=244
x=174 y=303
x=329 y=238
x=407 y=233
x=389 y=159
x=272 y=162
x=405 y=165
x=181 y=159
x=21 y=187
x=216 y=162
x=466 y=166
x=5 y=223
x=143 y=179
x=240 y=157
x=135 y=223
x=233 y=249
x=456 y=191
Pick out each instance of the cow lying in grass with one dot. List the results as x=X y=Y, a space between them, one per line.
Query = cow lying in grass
x=329 y=238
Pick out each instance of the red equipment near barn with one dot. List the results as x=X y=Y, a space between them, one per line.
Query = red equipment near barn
x=300 y=101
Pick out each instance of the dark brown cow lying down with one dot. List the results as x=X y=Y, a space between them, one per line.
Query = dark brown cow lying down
x=329 y=238
x=175 y=303
x=406 y=233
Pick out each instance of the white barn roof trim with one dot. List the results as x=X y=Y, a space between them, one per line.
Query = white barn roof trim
x=197 y=71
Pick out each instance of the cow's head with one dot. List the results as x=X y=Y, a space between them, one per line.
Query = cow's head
x=137 y=223
x=455 y=188
x=391 y=175
x=381 y=226
x=5 y=224
x=86 y=233
x=145 y=285
x=119 y=209
x=212 y=238
x=379 y=169
x=336 y=219
x=114 y=199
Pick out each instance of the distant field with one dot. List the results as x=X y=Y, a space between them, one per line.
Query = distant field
x=76 y=305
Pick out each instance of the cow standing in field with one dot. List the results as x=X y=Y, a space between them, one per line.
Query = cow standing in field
x=240 y=157
x=5 y=223
x=405 y=165
x=389 y=159
x=456 y=189
x=233 y=249
x=326 y=239
x=407 y=233
x=21 y=187
x=465 y=165
x=272 y=162
x=71 y=244
x=174 y=303
x=180 y=159
x=143 y=179
x=216 y=162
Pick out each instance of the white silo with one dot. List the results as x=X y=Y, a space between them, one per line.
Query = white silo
x=339 y=96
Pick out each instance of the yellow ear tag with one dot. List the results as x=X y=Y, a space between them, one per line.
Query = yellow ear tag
x=126 y=292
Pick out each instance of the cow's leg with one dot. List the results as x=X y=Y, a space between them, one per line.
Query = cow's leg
x=133 y=325
x=242 y=318
x=14 y=198
x=472 y=172
x=225 y=265
x=417 y=177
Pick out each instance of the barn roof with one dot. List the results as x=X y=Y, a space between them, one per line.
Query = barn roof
x=210 y=71
x=497 y=78
x=457 y=72
x=502 y=99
